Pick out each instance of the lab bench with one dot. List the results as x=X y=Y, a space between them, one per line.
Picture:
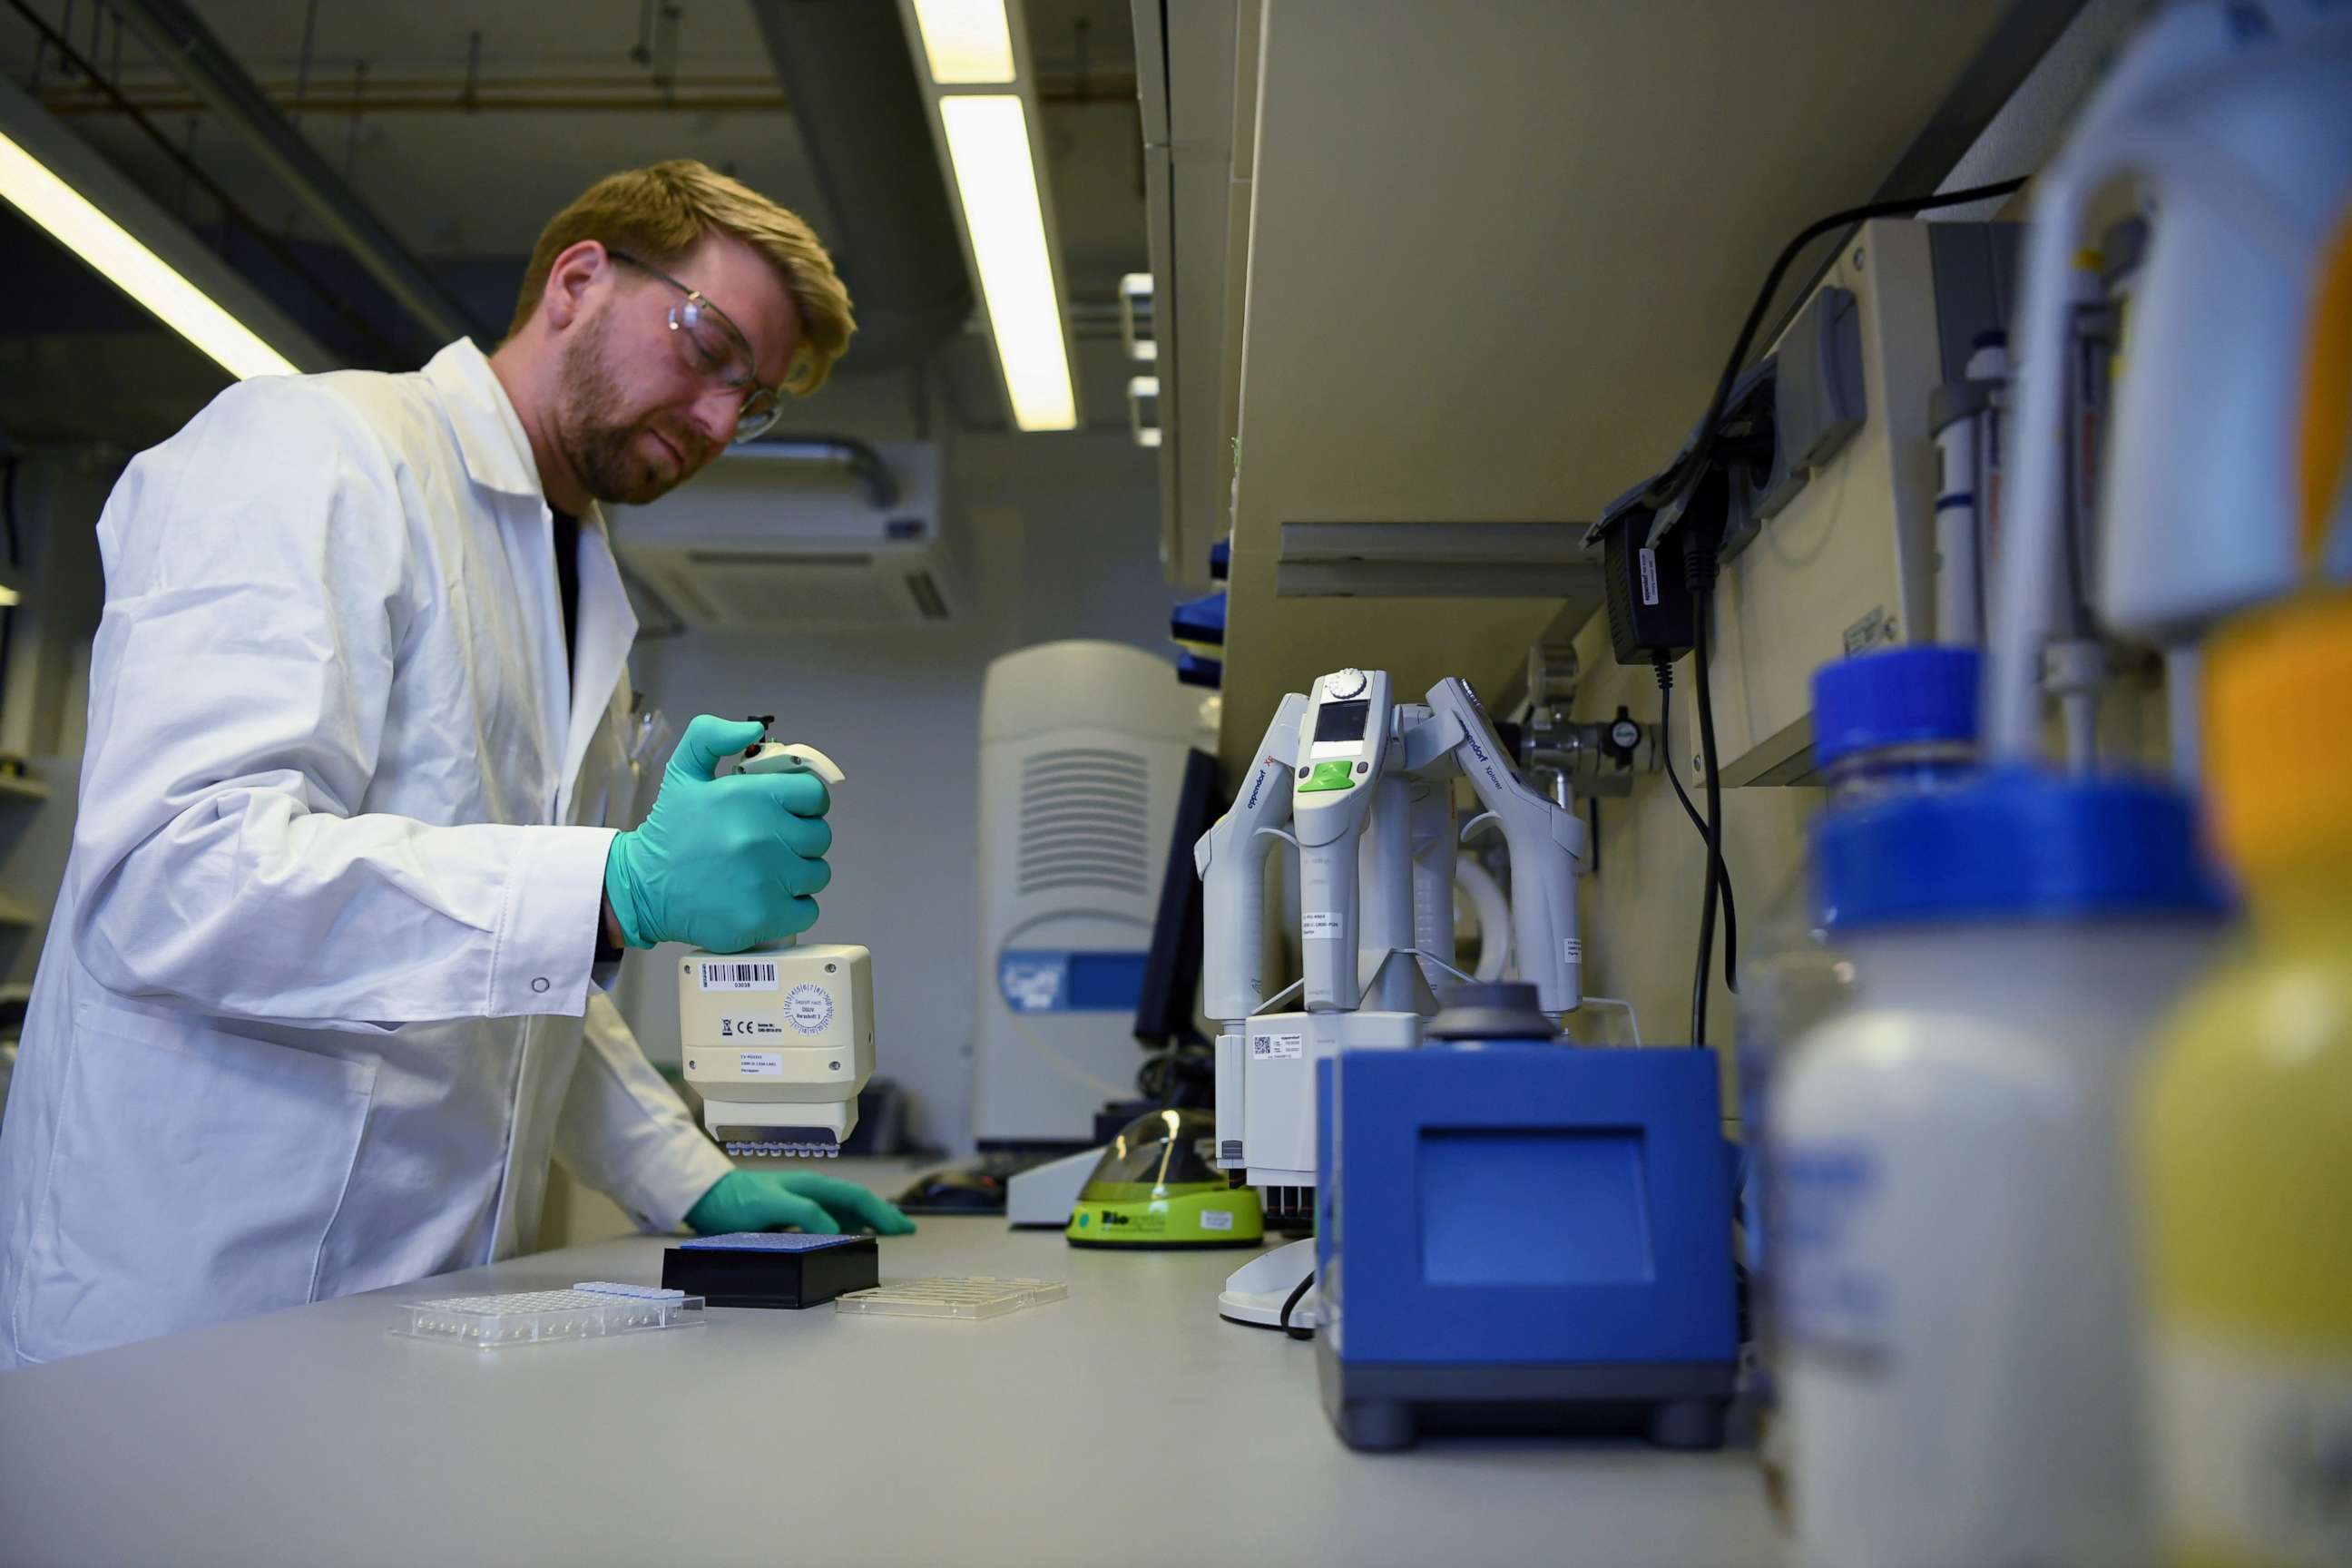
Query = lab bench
x=1126 y=1425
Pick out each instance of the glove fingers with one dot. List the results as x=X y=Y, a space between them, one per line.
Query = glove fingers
x=848 y=1202
x=711 y=739
x=806 y=837
x=879 y=1214
x=802 y=794
x=790 y=1209
x=802 y=878
x=799 y=915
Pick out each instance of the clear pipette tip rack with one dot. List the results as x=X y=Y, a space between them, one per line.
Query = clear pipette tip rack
x=966 y=1297
x=596 y=1309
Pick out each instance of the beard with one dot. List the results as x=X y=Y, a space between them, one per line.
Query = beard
x=598 y=437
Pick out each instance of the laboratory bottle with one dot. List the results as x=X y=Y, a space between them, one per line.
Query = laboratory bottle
x=1883 y=724
x=1954 y=1266
x=2245 y=1128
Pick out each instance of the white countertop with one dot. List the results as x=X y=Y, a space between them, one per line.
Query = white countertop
x=1127 y=1426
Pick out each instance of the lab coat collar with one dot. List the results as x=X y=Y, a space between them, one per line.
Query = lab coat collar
x=489 y=433
x=497 y=458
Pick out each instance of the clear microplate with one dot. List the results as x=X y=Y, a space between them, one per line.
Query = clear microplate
x=542 y=1317
x=967 y=1297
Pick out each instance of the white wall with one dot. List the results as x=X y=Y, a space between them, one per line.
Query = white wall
x=1059 y=539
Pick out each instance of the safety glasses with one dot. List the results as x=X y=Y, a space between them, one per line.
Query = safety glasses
x=715 y=352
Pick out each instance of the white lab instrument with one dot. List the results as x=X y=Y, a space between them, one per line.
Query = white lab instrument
x=1954 y=1277
x=594 y=1310
x=1836 y=550
x=345 y=908
x=2236 y=125
x=1970 y=416
x=1043 y=1196
x=1082 y=758
x=1369 y=786
x=1546 y=843
x=1231 y=862
x=1343 y=743
x=779 y=1040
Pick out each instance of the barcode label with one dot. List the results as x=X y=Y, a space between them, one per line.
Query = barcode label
x=1278 y=1047
x=1322 y=923
x=736 y=977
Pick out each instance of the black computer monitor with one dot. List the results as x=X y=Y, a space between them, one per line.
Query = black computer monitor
x=1168 y=1004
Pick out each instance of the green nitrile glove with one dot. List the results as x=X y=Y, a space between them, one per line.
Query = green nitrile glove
x=774 y=1200
x=722 y=864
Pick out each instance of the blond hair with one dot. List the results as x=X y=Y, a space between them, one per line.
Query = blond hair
x=659 y=213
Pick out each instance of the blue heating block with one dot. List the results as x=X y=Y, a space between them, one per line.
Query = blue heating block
x=767 y=1241
x=1525 y=1236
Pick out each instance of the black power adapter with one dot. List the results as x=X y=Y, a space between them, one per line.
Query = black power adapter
x=1648 y=589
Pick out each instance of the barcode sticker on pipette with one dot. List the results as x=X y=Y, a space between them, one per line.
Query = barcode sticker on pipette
x=737 y=976
x=1275 y=1047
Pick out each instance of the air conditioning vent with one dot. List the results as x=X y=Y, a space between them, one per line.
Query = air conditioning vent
x=756 y=544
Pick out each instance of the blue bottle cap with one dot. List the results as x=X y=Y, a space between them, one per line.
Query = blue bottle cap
x=2013 y=845
x=1898 y=697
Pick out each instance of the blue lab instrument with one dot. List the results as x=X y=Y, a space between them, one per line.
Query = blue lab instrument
x=1518 y=1234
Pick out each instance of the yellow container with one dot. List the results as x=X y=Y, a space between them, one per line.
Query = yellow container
x=2245 y=1127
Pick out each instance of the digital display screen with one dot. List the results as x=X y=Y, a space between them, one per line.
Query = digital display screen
x=1341 y=721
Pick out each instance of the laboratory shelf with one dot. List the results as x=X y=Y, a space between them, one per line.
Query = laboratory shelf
x=1519 y=359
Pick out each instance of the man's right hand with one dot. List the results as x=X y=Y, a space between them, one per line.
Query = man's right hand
x=722 y=864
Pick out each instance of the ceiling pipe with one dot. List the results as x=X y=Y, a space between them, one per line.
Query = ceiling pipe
x=847 y=453
x=844 y=66
x=181 y=40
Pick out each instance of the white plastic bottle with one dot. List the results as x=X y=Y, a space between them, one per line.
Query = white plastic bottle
x=1954 y=1270
x=1884 y=723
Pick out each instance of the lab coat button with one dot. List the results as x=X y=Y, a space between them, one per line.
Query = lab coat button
x=540 y=984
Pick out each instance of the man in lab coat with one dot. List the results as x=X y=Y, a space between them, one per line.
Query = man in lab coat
x=309 y=1017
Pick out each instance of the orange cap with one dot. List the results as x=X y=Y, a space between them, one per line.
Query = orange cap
x=2324 y=451
x=2278 y=731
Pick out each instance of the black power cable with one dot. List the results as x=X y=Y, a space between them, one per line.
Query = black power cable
x=1720 y=878
x=1291 y=1302
x=1668 y=493
x=1718 y=873
x=1678 y=480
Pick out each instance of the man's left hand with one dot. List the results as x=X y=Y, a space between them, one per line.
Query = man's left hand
x=782 y=1200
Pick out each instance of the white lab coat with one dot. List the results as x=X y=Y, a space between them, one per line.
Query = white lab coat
x=308 y=1018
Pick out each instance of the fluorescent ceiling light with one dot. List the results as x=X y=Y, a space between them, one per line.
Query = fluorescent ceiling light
x=966 y=41
x=75 y=223
x=988 y=143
